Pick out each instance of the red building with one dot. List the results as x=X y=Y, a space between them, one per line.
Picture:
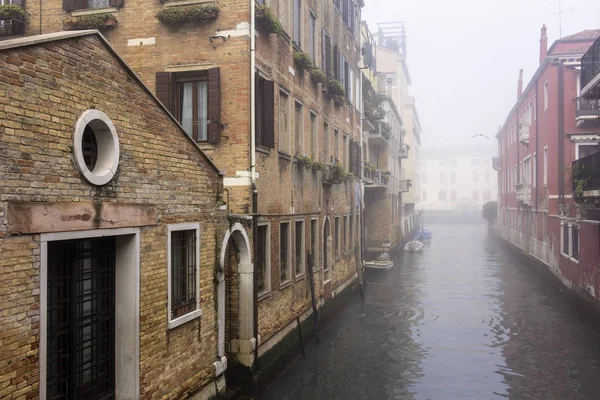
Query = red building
x=546 y=207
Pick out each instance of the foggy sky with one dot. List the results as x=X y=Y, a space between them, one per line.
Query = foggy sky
x=464 y=56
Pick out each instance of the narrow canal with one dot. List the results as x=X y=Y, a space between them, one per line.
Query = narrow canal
x=463 y=320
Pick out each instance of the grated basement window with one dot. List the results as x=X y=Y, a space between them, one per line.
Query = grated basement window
x=81 y=319
x=183 y=272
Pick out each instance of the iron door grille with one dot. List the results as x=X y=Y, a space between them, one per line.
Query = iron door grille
x=81 y=319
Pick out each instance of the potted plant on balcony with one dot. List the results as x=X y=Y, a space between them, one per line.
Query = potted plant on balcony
x=318 y=166
x=267 y=22
x=9 y=11
x=303 y=62
x=304 y=160
x=318 y=76
x=199 y=14
x=92 y=21
x=335 y=88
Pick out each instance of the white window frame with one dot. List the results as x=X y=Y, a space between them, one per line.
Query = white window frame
x=535 y=106
x=545 y=95
x=302 y=248
x=534 y=175
x=197 y=313
x=314 y=135
x=289 y=253
x=545 y=166
x=267 y=277
x=346 y=226
x=284 y=147
x=300 y=148
x=570 y=227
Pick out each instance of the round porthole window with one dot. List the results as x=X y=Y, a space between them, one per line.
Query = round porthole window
x=96 y=147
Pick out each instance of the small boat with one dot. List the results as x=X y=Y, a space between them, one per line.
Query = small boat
x=414 y=246
x=380 y=265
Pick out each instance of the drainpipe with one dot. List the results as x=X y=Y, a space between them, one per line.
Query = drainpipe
x=537 y=153
x=253 y=168
x=561 y=132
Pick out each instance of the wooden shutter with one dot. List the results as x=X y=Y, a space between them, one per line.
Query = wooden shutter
x=351 y=156
x=214 y=105
x=269 y=116
x=324 y=51
x=116 y=3
x=68 y=5
x=166 y=91
x=336 y=62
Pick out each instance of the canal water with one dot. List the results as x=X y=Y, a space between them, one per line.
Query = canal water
x=463 y=320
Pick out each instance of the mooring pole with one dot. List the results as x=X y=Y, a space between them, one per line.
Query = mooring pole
x=311 y=279
x=300 y=336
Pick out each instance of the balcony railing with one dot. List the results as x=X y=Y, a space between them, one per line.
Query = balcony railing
x=378 y=178
x=590 y=67
x=586 y=176
x=587 y=107
x=524 y=132
x=403 y=185
x=524 y=192
x=11 y=26
x=403 y=151
x=496 y=163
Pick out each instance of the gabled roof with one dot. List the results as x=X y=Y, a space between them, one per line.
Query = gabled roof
x=64 y=35
x=588 y=34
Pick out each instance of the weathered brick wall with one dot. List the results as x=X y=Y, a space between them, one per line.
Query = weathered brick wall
x=378 y=221
x=43 y=90
x=284 y=185
x=187 y=47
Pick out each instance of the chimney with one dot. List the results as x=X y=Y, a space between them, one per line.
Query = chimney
x=520 y=85
x=543 y=44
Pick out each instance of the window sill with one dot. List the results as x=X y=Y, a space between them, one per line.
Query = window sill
x=91 y=11
x=568 y=257
x=264 y=295
x=285 y=156
x=175 y=3
x=263 y=149
x=185 y=319
x=285 y=285
x=300 y=277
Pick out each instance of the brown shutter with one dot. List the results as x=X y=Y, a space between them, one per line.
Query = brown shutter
x=116 y=3
x=351 y=156
x=336 y=62
x=166 y=91
x=214 y=105
x=269 y=117
x=68 y=5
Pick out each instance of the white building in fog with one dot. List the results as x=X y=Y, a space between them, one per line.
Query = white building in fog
x=457 y=179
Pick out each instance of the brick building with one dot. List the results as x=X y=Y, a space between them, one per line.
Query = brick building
x=549 y=131
x=110 y=224
x=250 y=100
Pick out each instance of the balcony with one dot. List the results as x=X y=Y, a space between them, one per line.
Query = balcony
x=378 y=179
x=403 y=151
x=496 y=163
x=403 y=185
x=590 y=72
x=381 y=135
x=587 y=110
x=524 y=132
x=12 y=26
x=524 y=193
x=586 y=177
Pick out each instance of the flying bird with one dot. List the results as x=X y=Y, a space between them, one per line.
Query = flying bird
x=479 y=135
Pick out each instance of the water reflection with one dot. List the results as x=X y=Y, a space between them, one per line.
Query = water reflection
x=463 y=320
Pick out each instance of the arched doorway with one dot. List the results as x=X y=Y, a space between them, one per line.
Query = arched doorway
x=237 y=273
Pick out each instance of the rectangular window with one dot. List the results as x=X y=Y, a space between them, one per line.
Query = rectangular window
x=326 y=50
x=284 y=123
x=284 y=252
x=338 y=5
x=326 y=142
x=314 y=137
x=312 y=52
x=298 y=22
x=545 y=95
x=299 y=248
x=299 y=128
x=81 y=319
x=546 y=166
x=193 y=108
x=345 y=151
x=314 y=237
x=534 y=177
x=184 y=274
x=262 y=264
x=352 y=241
x=346 y=240
x=575 y=241
x=336 y=145
x=534 y=107
x=336 y=239
x=565 y=231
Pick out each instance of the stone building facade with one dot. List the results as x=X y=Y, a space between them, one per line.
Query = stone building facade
x=236 y=89
x=111 y=220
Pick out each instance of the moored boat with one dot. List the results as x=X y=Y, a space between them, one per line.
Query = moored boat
x=414 y=246
x=380 y=265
